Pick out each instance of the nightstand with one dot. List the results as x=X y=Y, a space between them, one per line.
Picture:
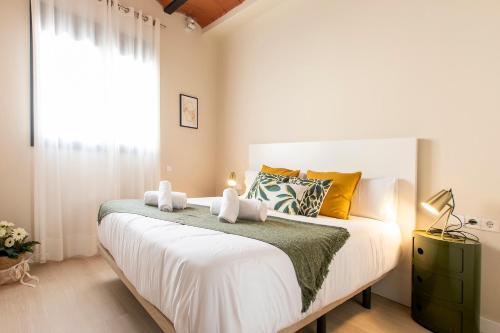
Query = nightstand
x=446 y=283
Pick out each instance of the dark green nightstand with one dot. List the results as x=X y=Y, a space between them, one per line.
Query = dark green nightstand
x=446 y=284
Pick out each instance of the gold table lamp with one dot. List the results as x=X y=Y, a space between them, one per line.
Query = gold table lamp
x=442 y=205
x=231 y=180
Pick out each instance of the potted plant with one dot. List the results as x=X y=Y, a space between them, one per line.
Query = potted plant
x=14 y=246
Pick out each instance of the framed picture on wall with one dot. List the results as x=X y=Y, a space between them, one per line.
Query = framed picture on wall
x=188 y=111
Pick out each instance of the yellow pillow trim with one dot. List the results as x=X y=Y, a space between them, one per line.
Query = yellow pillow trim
x=337 y=202
x=280 y=171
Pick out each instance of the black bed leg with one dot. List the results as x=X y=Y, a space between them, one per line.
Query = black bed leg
x=321 y=324
x=367 y=298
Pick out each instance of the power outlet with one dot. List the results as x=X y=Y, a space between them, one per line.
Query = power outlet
x=490 y=225
x=473 y=222
x=485 y=224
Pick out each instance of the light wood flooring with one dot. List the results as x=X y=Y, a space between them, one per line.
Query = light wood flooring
x=84 y=295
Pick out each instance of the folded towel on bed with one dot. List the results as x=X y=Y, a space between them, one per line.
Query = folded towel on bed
x=230 y=206
x=151 y=198
x=250 y=209
x=179 y=199
x=215 y=206
x=165 y=196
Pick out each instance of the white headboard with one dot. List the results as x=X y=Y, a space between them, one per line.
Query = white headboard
x=375 y=158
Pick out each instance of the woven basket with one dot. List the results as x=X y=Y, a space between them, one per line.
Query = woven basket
x=6 y=262
x=16 y=270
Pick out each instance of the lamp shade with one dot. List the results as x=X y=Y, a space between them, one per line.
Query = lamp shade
x=231 y=180
x=437 y=202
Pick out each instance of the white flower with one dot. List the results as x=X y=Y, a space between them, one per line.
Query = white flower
x=19 y=234
x=3 y=231
x=9 y=242
x=6 y=224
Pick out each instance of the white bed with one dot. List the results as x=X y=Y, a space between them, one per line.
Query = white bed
x=198 y=280
x=208 y=281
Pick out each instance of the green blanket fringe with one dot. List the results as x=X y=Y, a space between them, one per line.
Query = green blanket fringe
x=310 y=247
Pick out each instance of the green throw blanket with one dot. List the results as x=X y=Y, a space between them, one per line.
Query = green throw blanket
x=309 y=246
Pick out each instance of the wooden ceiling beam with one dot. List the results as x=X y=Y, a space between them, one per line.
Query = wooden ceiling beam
x=173 y=6
x=202 y=11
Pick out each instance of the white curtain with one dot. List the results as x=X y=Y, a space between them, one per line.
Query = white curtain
x=96 y=117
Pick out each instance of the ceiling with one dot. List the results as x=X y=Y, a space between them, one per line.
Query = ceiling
x=204 y=11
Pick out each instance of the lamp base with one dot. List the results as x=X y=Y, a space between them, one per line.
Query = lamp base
x=446 y=234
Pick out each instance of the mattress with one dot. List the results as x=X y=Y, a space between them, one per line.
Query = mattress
x=208 y=281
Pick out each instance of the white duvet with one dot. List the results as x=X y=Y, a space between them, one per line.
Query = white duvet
x=207 y=281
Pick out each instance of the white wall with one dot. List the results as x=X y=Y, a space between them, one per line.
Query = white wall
x=188 y=65
x=15 y=163
x=352 y=69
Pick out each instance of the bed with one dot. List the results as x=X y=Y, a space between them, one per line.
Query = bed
x=198 y=280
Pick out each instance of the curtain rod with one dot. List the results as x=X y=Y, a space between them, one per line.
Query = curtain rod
x=136 y=13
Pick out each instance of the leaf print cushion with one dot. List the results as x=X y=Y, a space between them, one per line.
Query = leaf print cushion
x=263 y=180
x=286 y=198
x=314 y=196
x=277 y=193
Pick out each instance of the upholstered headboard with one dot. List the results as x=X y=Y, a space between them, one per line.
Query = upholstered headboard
x=375 y=158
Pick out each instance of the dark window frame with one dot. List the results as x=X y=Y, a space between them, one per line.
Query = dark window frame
x=32 y=103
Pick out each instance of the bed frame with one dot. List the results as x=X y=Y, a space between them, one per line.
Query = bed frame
x=376 y=158
x=163 y=322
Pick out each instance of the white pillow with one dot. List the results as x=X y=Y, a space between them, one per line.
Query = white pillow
x=250 y=176
x=376 y=198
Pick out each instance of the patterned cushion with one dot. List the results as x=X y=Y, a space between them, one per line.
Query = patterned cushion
x=277 y=193
x=316 y=192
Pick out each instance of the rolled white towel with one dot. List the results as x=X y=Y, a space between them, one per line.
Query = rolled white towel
x=253 y=210
x=151 y=198
x=215 y=206
x=250 y=209
x=165 y=196
x=179 y=199
x=230 y=206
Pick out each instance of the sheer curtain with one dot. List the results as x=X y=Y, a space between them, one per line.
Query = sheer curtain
x=96 y=117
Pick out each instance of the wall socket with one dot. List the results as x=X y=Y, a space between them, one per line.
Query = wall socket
x=485 y=224
x=490 y=225
x=470 y=222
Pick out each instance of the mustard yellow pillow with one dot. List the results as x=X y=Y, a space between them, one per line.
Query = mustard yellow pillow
x=337 y=202
x=280 y=171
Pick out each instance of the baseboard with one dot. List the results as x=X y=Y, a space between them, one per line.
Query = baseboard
x=489 y=326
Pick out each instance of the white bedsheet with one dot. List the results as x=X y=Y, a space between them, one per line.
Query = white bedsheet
x=207 y=281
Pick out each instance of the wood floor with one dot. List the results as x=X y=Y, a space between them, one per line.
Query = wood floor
x=84 y=295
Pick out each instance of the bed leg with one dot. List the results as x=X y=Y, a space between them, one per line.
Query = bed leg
x=321 y=324
x=367 y=298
